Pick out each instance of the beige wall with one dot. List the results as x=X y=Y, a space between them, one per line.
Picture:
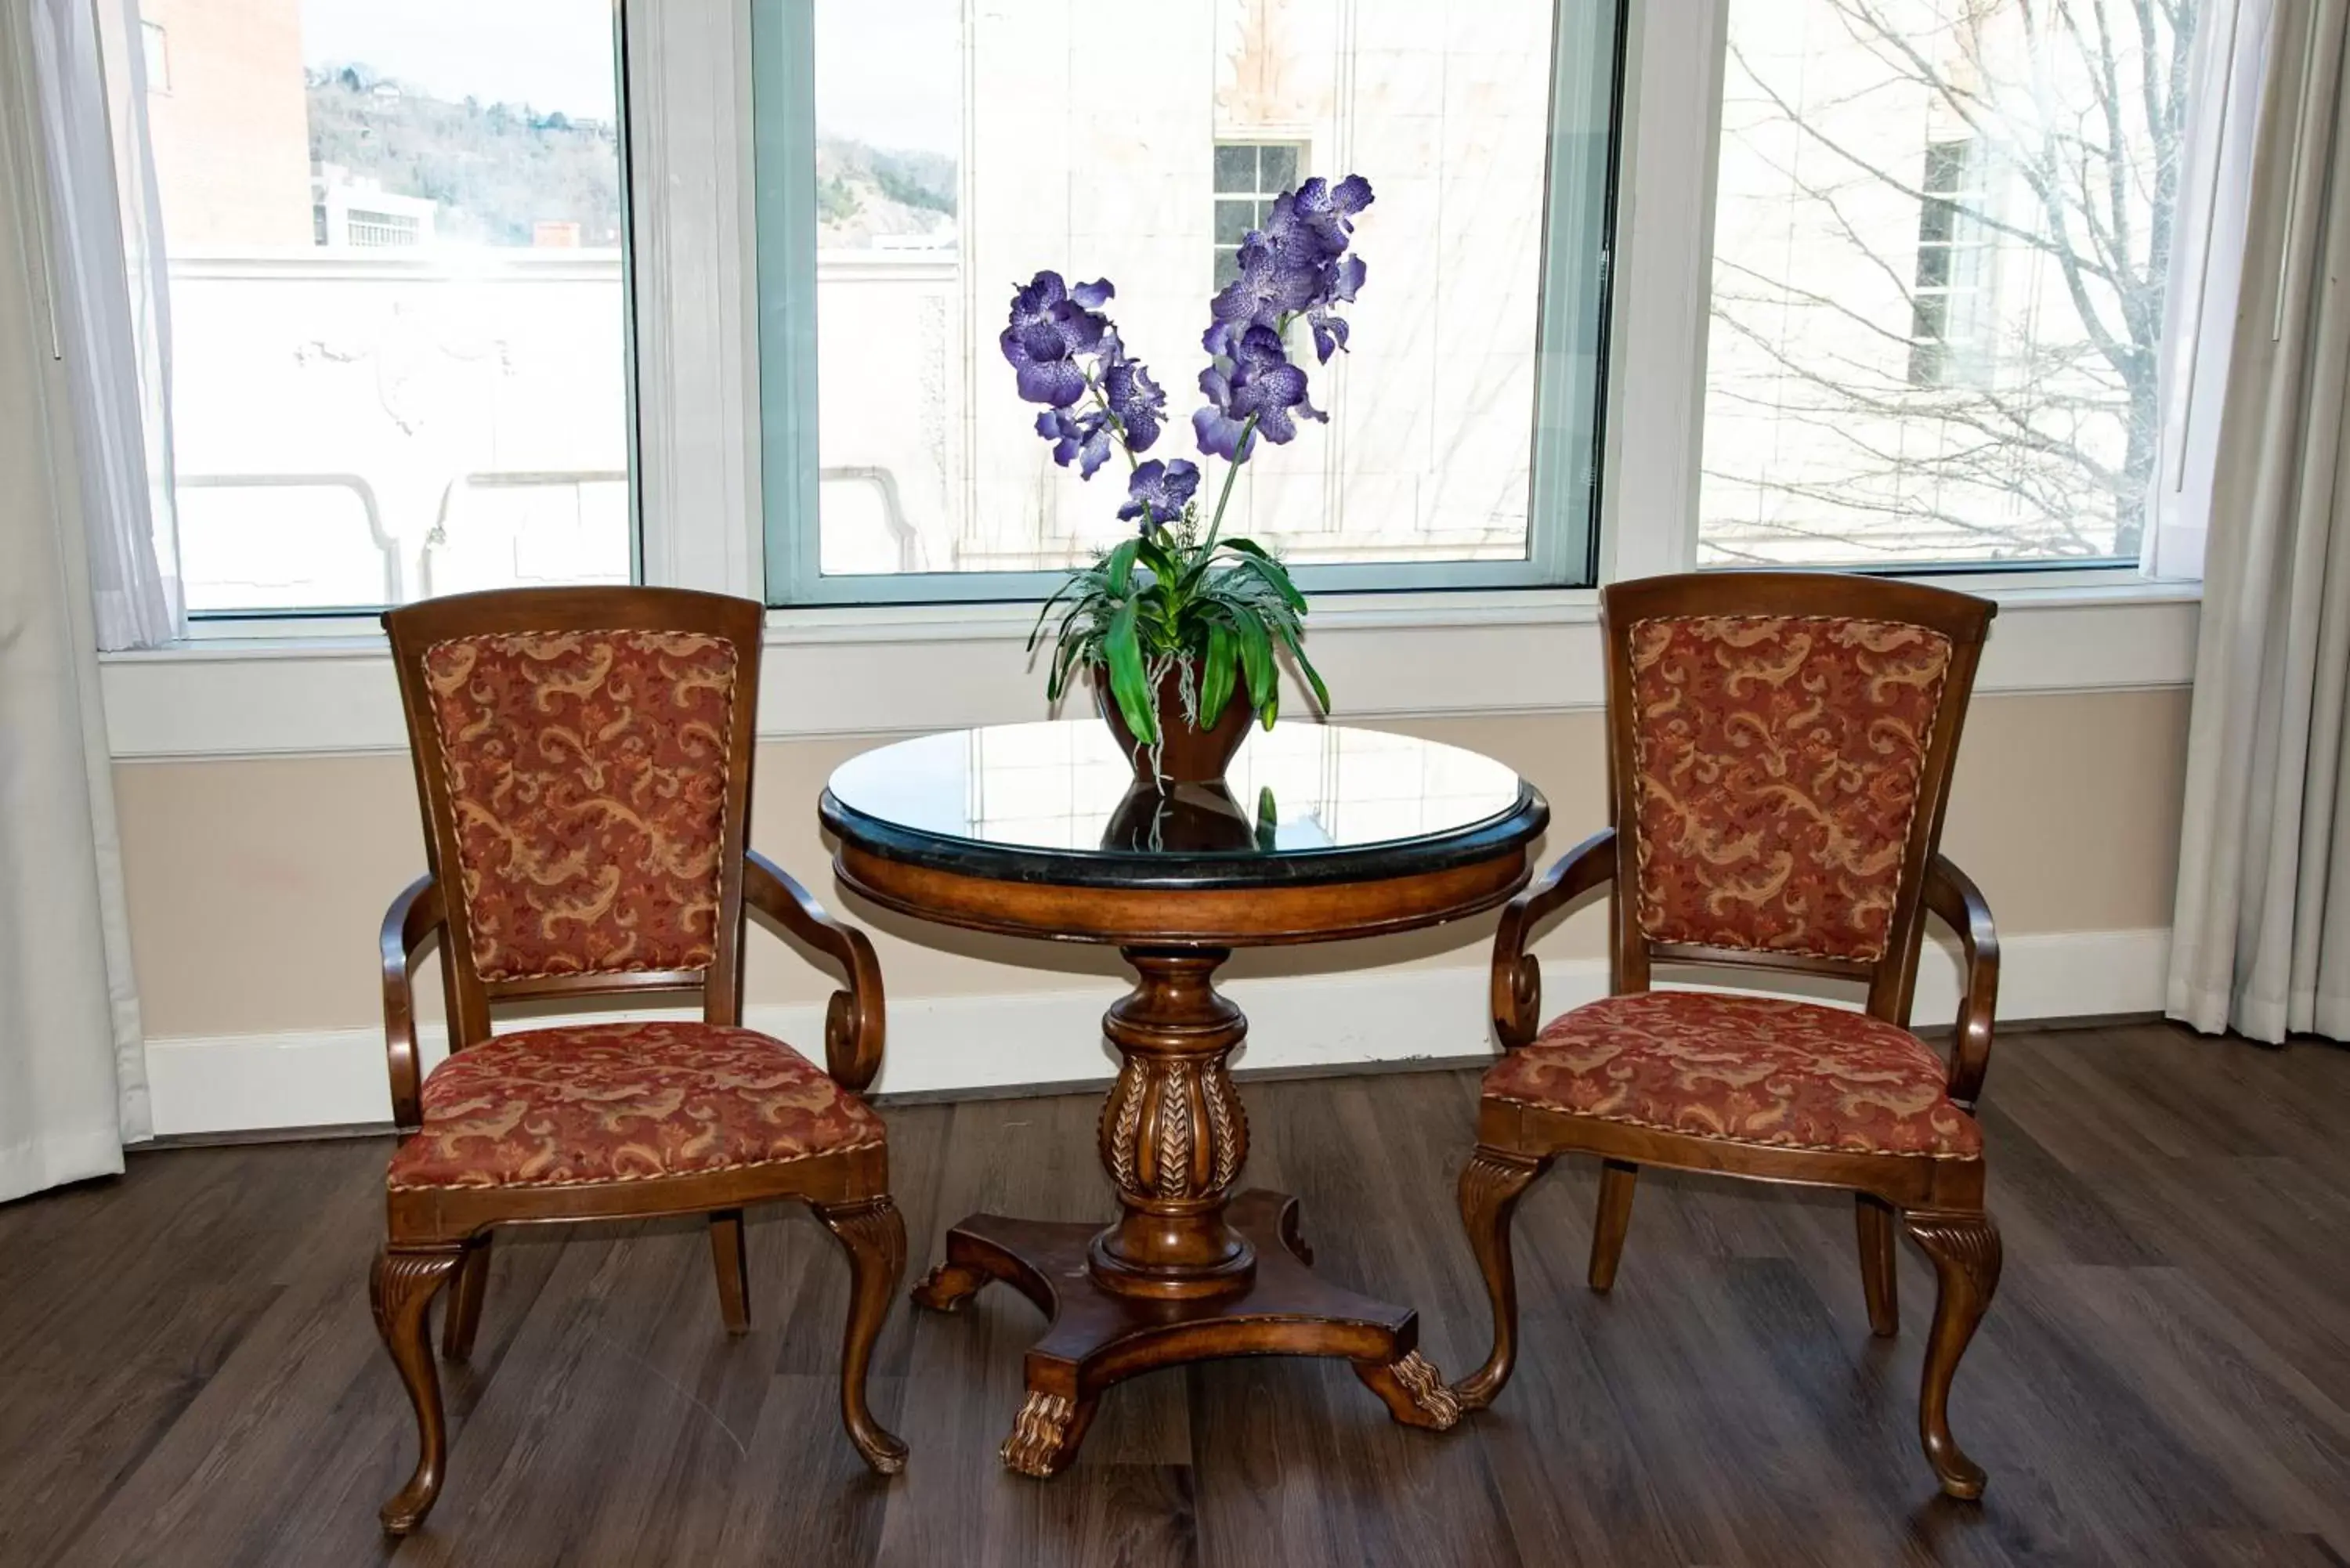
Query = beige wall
x=256 y=887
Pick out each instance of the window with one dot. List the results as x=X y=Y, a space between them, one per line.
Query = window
x=916 y=157
x=1249 y=175
x=1940 y=358
x=1947 y=304
x=398 y=325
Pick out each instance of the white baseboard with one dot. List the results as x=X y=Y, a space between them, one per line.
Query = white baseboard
x=331 y=1077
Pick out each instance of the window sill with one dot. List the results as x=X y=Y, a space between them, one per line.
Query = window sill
x=888 y=672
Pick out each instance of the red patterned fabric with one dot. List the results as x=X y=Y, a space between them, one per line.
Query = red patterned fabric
x=1778 y=765
x=624 y=1102
x=588 y=773
x=1750 y=1069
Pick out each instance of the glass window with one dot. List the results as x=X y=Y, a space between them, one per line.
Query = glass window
x=1941 y=237
x=400 y=357
x=916 y=158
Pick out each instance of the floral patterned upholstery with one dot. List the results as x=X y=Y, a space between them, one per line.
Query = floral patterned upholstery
x=1778 y=761
x=624 y=1102
x=588 y=771
x=1748 y=1069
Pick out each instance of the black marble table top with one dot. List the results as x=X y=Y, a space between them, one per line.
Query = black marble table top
x=1303 y=803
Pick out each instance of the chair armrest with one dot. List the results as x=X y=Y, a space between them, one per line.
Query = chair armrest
x=1517 y=976
x=414 y=920
x=854 y=1023
x=1954 y=897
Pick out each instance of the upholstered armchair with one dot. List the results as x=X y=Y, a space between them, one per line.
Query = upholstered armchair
x=1780 y=750
x=584 y=761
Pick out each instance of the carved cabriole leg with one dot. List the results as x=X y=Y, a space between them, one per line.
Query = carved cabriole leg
x=462 y=1318
x=401 y=1291
x=1616 y=1183
x=1490 y=1185
x=1173 y=1134
x=1878 y=1282
x=730 y=1256
x=1045 y=1434
x=947 y=1287
x=875 y=1238
x=1966 y=1253
x=1413 y=1390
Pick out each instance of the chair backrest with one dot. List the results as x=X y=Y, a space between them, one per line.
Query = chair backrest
x=1780 y=753
x=584 y=760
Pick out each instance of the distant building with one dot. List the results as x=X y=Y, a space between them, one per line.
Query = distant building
x=231 y=124
x=357 y=212
x=555 y=234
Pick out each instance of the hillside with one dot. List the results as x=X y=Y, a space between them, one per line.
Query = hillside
x=865 y=195
x=496 y=170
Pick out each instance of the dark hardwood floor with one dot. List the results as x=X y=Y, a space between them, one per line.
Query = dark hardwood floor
x=188 y=1375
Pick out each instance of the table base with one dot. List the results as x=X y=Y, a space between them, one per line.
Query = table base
x=1100 y=1336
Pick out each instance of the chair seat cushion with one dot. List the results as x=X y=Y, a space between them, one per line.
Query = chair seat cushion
x=624 y=1102
x=1748 y=1069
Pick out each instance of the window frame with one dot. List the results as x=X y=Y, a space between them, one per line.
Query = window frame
x=1565 y=489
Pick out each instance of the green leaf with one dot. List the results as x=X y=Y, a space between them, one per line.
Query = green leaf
x=1065 y=657
x=1120 y=568
x=1297 y=646
x=1046 y=608
x=1256 y=658
x=1124 y=653
x=1216 y=680
x=1155 y=557
x=1257 y=560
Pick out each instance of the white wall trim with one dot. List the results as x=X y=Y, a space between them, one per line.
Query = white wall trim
x=861 y=673
x=334 y=1077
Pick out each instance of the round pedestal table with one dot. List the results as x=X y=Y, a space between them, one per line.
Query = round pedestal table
x=1318 y=832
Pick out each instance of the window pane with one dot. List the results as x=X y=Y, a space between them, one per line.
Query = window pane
x=1428 y=452
x=1236 y=168
x=399 y=332
x=1953 y=370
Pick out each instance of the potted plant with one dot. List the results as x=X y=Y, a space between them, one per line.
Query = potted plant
x=1179 y=628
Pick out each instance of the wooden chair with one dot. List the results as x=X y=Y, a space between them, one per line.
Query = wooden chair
x=584 y=757
x=1780 y=749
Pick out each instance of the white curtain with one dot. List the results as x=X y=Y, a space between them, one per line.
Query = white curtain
x=72 y=1066
x=2261 y=938
x=106 y=256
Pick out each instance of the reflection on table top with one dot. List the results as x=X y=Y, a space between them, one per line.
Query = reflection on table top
x=1300 y=791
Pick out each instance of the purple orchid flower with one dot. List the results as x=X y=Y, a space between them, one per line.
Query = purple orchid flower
x=1140 y=402
x=1261 y=383
x=1328 y=210
x=1083 y=439
x=1341 y=280
x=1158 y=492
x=1275 y=280
x=1051 y=324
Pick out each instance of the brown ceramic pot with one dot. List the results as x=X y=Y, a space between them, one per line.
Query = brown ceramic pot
x=1187 y=754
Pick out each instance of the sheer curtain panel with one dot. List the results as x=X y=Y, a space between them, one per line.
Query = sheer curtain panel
x=112 y=303
x=72 y=1068
x=2261 y=938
